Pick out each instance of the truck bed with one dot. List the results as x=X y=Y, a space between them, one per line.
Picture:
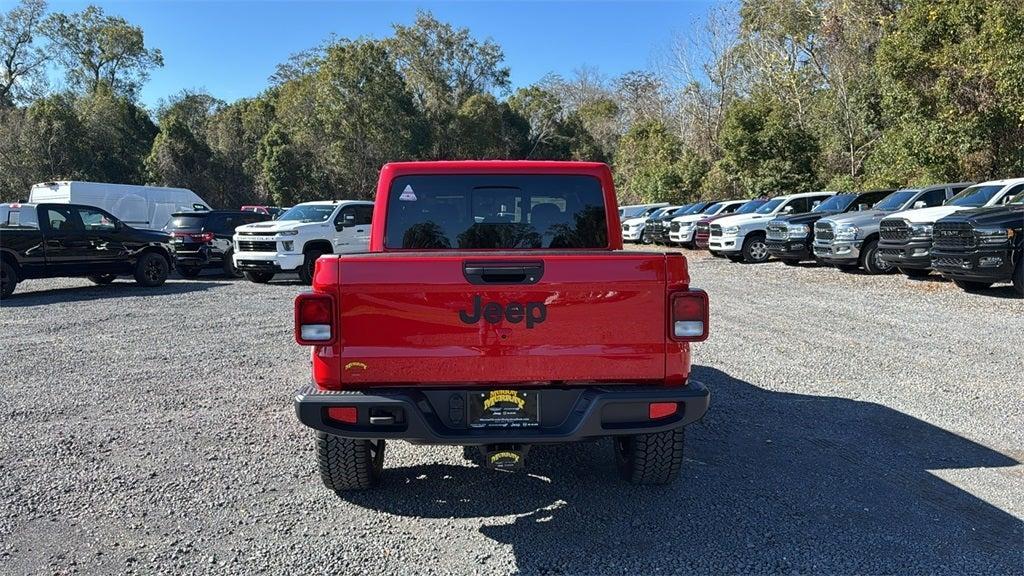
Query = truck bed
x=424 y=319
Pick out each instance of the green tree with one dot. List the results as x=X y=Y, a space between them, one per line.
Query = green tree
x=179 y=158
x=22 y=60
x=647 y=165
x=101 y=50
x=281 y=167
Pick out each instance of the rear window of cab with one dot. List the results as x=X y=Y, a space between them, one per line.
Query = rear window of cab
x=495 y=211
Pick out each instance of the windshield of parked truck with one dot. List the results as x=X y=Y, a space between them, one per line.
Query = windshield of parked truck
x=632 y=212
x=896 y=200
x=975 y=196
x=751 y=206
x=309 y=213
x=495 y=211
x=770 y=206
x=694 y=209
x=836 y=203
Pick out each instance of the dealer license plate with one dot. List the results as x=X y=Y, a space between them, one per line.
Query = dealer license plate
x=504 y=409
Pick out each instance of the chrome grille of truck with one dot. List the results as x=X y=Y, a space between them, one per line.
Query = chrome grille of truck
x=897 y=230
x=777 y=231
x=716 y=229
x=824 y=231
x=953 y=235
x=255 y=233
x=703 y=229
x=257 y=246
x=674 y=227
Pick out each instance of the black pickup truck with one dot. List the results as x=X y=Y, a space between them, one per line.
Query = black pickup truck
x=790 y=238
x=977 y=248
x=60 y=240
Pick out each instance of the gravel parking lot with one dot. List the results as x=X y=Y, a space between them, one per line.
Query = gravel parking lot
x=858 y=425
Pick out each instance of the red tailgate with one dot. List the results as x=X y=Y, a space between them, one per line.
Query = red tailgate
x=589 y=317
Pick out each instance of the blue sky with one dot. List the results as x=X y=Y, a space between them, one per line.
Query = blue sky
x=231 y=48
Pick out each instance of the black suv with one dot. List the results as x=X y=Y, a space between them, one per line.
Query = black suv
x=977 y=248
x=204 y=239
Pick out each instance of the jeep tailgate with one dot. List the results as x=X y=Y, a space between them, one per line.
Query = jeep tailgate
x=421 y=318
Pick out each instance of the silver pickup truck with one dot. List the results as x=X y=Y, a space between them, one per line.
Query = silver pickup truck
x=850 y=240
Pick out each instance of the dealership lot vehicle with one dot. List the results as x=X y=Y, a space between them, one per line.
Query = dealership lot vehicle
x=197 y=464
x=651 y=230
x=906 y=237
x=790 y=237
x=741 y=237
x=294 y=241
x=682 y=228
x=633 y=227
x=141 y=207
x=977 y=248
x=204 y=239
x=702 y=233
x=444 y=332
x=58 y=240
x=850 y=241
x=662 y=227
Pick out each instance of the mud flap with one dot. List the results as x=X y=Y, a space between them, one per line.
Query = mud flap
x=504 y=456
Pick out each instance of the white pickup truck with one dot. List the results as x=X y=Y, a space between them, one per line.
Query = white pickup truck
x=294 y=241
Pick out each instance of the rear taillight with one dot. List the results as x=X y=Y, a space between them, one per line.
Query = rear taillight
x=202 y=237
x=689 y=316
x=314 y=319
x=343 y=414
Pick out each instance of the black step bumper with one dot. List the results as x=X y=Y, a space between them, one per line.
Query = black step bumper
x=438 y=416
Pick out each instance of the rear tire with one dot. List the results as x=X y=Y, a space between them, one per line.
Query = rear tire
x=102 y=279
x=259 y=277
x=8 y=279
x=650 y=458
x=348 y=464
x=309 y=266
x=916 y=273
x=971 y=285
x=228 y=264
x=870 y=260
x=151 y=269
x=188 y=271
x=755 y=250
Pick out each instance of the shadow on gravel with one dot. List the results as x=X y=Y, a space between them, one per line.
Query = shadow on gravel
x=119 y=289
x=773 y=482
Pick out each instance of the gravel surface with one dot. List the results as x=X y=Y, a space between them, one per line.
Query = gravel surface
x=858 y=425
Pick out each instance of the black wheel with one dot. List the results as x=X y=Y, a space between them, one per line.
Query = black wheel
x=259 y=277
x=971 y=285
x=755 y=250
x=349 y=463
x=1018 y=276
x=229 y=265
x=915 y=273
x=871 y=260
x=102 y=279
x=650 y=458
x=151 y=269
x=644 y=237
x=309 y=266
x=790 y=261
x=188 y=271
x=8 y=279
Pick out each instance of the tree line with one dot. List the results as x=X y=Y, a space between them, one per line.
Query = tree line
x=765 y=97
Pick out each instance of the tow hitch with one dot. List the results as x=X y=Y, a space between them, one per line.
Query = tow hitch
x=504 y=456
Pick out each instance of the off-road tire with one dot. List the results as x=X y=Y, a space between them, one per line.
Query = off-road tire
x=259 y=277
x=870 y=261
x=189 y=271
x=916 y=272
x=348 y=464
x=309 y=266
x=8 y=279
x=755 y=250
x=650 y=458
x=102 y=279
x=971 y=285
x=151 y=269
x=228 y=265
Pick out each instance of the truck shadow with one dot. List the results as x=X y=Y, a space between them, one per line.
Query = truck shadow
x=25 y=296
x=773 y=482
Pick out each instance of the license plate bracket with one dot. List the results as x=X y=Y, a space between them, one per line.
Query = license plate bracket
x=504 y=409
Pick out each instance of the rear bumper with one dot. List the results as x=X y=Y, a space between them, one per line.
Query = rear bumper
x=913 y=254
x=439 y=416
x=789 y=249
x=200 y=257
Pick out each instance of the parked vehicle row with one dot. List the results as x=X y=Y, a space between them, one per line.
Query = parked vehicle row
x=970 y=233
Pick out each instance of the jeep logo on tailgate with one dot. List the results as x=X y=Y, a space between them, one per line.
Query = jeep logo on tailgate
x=514 y=312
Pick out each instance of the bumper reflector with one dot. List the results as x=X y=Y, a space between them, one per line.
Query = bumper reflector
x=658 y=410
x=344 y=414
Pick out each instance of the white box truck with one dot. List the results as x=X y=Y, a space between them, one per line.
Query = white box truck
x=148 y=207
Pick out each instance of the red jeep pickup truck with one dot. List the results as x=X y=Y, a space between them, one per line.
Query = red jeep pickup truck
x=496 y=310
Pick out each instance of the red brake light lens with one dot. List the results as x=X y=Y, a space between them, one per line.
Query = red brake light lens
x=689 y=316
x=658 y=410
x=203 y=237
x=314 y=319
x=343 y=414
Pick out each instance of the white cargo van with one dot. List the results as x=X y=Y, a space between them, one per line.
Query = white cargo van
x=148 y=207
